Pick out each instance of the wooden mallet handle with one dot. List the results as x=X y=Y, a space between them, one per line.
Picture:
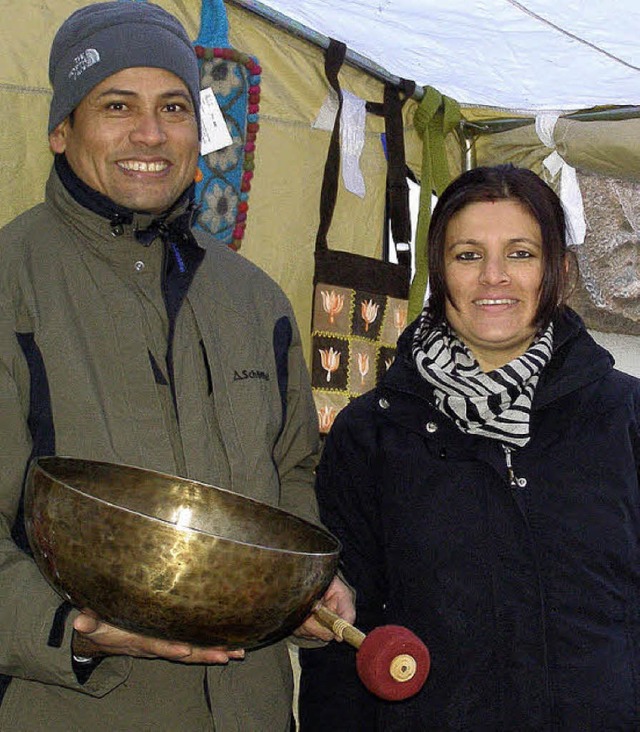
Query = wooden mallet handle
x=339 y=627
x=392 y=662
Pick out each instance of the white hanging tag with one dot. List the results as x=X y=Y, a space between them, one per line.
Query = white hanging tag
x=215 y=134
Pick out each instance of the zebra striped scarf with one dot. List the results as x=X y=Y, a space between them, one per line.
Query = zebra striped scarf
x=495 y=404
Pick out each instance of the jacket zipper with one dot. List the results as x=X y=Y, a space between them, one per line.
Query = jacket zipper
x=513 y=480
x=514 y=484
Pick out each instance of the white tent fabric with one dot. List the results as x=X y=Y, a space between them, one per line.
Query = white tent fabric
x=534 y=55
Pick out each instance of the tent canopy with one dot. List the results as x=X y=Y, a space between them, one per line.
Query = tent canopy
x=533 y=55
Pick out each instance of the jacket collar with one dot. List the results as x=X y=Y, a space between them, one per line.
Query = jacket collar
x=178 y=220
x=577 y=361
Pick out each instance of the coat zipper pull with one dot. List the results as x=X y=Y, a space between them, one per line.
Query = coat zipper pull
x=513 y=481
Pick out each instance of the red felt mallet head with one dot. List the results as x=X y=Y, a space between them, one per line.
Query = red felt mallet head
x=393 y=663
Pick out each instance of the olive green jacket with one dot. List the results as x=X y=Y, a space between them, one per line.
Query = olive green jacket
x=81 y=309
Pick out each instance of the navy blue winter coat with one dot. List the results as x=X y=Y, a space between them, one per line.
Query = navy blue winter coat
x=529 y=597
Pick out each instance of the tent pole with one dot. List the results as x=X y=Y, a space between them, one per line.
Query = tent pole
x=302 y=31
x=610 y=114
x=467 y=141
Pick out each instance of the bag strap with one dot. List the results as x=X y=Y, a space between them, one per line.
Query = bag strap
x=333 y=60
x=397 y=212
x=214 y=25
x=397 y=186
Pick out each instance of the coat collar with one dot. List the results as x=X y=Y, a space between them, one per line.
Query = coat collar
x=577 y=361
x=144 y=226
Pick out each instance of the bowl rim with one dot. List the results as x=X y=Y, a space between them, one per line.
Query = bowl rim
x=36 y=464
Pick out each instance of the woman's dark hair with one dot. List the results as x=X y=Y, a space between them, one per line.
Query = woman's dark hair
x=500 y=183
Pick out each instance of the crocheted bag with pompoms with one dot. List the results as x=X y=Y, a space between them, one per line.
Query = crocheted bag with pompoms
x=224 y=176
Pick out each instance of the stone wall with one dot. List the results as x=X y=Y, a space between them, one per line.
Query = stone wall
x=607 y=294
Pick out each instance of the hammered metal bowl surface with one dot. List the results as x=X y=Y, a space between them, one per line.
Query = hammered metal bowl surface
x=174 y=558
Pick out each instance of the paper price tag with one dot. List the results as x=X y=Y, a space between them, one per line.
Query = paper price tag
x=215 y=134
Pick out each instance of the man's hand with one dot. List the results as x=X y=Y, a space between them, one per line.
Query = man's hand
x=339 y=598
x=93 y=637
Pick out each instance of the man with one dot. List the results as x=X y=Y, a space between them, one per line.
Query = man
x=121 y=330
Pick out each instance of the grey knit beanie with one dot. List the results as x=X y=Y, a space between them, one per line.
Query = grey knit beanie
x=101 y=39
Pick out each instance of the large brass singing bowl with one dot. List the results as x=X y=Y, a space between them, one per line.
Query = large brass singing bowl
x=174 y=558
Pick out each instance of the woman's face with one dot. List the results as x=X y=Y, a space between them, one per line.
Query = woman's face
x=493 y=271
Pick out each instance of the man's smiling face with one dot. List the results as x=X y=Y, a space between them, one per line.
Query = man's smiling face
x=133 y=138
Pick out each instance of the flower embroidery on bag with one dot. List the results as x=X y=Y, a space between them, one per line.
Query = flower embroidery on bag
x=332 y=304
x=369 y=312
x=326 y=415
x=399 y=318
x=363 y=365
x=330 y=360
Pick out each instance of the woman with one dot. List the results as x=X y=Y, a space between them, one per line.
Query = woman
x=486 y=493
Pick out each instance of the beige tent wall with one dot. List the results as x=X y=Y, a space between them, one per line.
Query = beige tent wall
x=290 y=154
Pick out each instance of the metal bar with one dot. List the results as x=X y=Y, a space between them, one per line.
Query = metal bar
x=302 y=31
x=469 y=131
x=467 y=142
x=609 y=114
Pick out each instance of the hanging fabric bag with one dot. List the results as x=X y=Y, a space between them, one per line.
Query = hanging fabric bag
x=359 y=302
x=224 y=175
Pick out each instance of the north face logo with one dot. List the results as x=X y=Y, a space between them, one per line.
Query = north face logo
x=83 y=61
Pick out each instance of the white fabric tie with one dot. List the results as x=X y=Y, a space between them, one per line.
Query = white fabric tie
x=352 y=129
x=570 y=193
x=352 y=124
